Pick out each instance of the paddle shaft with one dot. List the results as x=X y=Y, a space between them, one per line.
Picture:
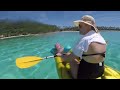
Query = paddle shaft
x=51 y=56
x=42 y=59
x=48 y=57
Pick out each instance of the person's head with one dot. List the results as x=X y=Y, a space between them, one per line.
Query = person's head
x=86 y=24
x=57 y=46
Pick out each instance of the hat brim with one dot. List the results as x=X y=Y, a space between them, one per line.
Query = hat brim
x=77 y=22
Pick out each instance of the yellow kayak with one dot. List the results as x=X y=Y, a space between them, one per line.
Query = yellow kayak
x=63 y=71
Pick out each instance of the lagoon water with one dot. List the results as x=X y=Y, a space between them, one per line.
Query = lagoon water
x=40 y=45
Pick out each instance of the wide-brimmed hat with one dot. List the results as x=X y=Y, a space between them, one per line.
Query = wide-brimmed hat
x=86 y=19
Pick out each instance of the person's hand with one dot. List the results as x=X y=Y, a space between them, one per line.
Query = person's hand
x=59 y=54
x=78 y=62
x=68 y=53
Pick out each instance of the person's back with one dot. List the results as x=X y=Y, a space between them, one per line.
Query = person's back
x=90 y=49
x=95 y=47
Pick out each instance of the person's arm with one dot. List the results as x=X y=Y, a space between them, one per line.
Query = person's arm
x=69 y=56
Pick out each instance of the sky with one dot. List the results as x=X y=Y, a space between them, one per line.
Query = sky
x=64 y=18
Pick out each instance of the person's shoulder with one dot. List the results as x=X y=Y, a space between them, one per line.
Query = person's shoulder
x=99 y=34
x=85 y=38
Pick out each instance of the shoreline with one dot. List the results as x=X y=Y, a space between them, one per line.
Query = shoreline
x=69 y=31
x=28 y=35
x=46 y=33
x=14 y=36
x=99 y=30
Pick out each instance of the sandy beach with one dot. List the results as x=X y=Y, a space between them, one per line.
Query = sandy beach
x=69 y=31
x=27 y=35
x=45 y=33
x=14 y=36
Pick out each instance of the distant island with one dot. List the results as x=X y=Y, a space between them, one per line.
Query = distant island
x=10 y=28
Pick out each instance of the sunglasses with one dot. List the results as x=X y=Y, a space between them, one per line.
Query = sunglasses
x=80 y=26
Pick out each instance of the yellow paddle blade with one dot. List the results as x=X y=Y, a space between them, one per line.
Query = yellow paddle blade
x=28 y=61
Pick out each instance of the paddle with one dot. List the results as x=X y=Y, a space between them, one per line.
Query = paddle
x=29 y=61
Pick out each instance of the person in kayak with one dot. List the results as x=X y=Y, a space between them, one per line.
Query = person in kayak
x=90 y=49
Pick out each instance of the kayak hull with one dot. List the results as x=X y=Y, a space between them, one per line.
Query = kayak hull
x=63 y=71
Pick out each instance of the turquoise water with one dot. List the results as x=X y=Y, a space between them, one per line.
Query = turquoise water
x=40 y=45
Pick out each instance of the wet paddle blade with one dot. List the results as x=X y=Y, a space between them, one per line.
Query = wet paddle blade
x=28 y=61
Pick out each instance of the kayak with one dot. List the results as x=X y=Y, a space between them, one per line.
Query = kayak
x=63 y=71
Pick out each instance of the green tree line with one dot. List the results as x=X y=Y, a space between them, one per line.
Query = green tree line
x=14 y=28
x=99 y=27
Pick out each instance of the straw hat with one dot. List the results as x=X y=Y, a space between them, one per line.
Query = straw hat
x=87 y=19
